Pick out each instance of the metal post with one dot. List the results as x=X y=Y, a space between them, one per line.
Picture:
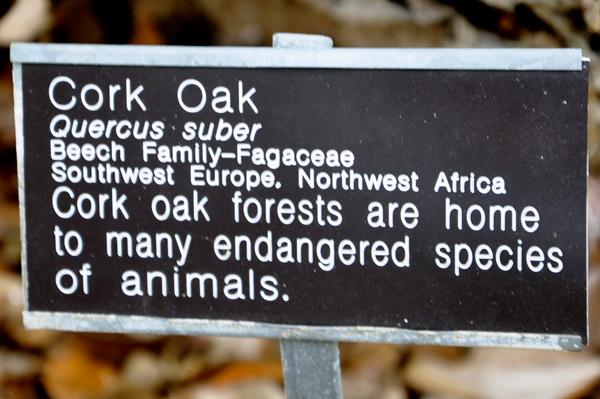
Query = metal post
x=311 y=369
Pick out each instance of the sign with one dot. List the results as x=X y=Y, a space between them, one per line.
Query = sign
x=367 y=195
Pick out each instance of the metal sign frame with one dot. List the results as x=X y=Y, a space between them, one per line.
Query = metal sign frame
x=292 y=51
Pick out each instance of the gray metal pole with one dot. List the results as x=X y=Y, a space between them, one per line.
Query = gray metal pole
x=311 y=369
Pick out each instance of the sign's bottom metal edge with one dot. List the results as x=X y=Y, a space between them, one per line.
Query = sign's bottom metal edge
x=155 y=325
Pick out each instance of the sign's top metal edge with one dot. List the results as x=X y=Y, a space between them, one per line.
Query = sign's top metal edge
x=267 y=57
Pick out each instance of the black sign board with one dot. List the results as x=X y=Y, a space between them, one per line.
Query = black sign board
x=408 y=203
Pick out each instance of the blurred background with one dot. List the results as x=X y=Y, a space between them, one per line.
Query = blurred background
x=56 y=365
